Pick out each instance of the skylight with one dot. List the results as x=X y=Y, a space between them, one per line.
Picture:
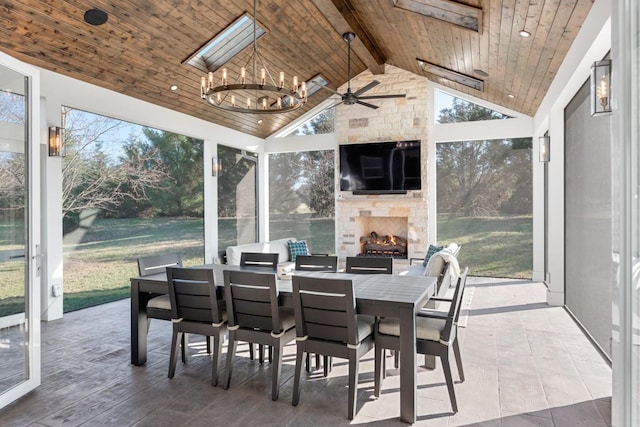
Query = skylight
x=226 y=44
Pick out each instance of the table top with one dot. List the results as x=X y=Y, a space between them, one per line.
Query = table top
x=374 y=287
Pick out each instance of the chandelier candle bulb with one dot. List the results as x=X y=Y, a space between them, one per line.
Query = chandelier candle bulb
x=303 y=91
x=203 y=87
x=263 y=77
x=248 y=103
x=224 y=77
x=279 y=103
x=264 y=103
x=243 y=75
x=295 y=83
x=233 y=100
x=281 y=83
x=218 y=98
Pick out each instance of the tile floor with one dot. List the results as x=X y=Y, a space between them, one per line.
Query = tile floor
x=526 y=364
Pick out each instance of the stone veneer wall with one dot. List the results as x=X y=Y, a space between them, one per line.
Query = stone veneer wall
x=395 y=120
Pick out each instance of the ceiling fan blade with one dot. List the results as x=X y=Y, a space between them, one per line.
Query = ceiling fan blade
x=326 y=87
x=366 y=104
x=366 y=88
x=383 y=96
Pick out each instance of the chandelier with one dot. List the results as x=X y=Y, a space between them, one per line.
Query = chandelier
x=256 y=96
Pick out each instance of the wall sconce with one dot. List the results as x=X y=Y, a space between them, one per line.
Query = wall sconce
x=56 y=146
x=601 y=87
x=216 y=166
x=545 y=142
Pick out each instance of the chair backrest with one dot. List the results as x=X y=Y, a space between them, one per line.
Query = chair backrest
x=369 y=265
x=317 y=263
x=259 y=259
x=194 y=296
x=157 y=263
x=325 y=309
x=252 y=300
x=454 y=308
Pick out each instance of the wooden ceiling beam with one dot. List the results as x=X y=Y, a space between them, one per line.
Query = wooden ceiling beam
x=343 y=18
x=461 y=15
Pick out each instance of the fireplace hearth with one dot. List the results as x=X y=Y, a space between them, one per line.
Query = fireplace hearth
x=383 y=245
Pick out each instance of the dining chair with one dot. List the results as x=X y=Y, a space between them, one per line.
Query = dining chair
x=255 y=316
x=327 y=324
x=197 y=307
x=159 y=307
x=369 y=265
x=259 y=260
x=436 y=332
x=317 y=263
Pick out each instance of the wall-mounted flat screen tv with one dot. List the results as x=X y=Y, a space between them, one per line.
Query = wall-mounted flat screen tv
x=380 y=167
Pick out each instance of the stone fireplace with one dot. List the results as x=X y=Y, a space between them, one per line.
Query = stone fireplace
x=403 y=215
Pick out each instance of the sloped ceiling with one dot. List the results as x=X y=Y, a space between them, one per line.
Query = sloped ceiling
x=140 y=50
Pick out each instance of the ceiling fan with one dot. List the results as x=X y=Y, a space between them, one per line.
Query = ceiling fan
x=349 y=97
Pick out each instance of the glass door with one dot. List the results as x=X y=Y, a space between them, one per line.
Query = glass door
x=19 y=258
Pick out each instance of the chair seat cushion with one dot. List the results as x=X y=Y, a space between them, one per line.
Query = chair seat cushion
x=162 y=302
x=427 y=329
x=365 y=325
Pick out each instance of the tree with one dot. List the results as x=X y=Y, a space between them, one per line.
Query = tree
x=482 y=178
x=323 y=122
x=182 y=188
x=236 y=168
x=283 y=182
x=93 y=177
x=319 y=185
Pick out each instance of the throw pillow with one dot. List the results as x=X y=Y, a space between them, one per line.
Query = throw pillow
x=432 y=250
x=297 y=247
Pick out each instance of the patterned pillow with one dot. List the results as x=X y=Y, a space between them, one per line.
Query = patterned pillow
x=297 y=247
x=432 y=250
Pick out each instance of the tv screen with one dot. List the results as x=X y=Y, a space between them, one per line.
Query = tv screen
x=380 y=167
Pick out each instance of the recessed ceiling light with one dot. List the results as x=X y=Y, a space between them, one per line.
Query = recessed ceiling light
x=259 y=121
x=95 y=17
x=480 y=72
x=511 y=95
x=174 y=87
x=525 y=33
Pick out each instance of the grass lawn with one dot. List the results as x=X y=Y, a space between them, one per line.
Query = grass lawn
x=491 y=246
x=100 y=259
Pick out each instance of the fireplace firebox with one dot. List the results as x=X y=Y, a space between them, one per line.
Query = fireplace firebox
x=383 y=245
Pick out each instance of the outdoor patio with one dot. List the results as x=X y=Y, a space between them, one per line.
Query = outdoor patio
x=526 y=364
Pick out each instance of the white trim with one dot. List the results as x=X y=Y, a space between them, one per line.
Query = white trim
x=286 y=130
x=35 y=133
x=470 y=98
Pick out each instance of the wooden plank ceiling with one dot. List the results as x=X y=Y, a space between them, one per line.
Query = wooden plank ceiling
x=141 y=49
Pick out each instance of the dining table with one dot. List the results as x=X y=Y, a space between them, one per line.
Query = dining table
x=376 y=294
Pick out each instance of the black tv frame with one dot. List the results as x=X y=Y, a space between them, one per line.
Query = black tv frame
x=382 y=191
